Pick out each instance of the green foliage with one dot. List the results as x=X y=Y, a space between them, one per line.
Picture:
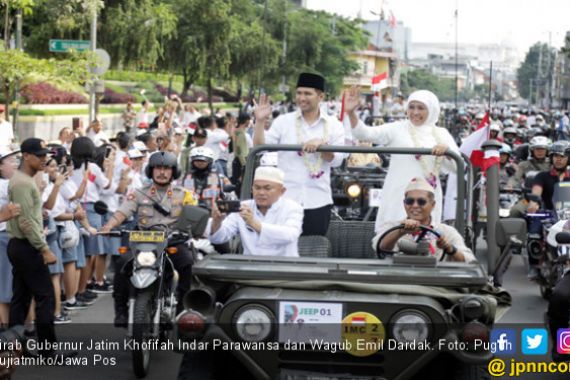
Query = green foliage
x=135 y=31
x=422 y=79
x=539 y=56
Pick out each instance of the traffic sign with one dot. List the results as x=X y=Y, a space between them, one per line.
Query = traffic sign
x=103 y=62
x=63 y=46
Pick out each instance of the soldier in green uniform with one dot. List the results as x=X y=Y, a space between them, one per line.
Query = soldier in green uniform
x=162 y=168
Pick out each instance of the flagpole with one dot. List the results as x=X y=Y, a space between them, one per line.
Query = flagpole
x=490 y=85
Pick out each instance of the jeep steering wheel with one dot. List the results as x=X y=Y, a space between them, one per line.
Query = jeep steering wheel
x=381 y=253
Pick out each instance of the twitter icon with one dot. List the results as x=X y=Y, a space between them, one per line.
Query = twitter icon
x=534 y=342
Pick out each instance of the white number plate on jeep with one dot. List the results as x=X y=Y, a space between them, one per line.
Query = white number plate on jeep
x=308 y=321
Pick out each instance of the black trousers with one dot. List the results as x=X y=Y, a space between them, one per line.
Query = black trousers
x=559 y=306
x=31 y=279
x=316 y=221
x=182 y=261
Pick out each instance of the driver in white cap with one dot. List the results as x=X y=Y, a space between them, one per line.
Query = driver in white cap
x=419 y=202
x=268 y=224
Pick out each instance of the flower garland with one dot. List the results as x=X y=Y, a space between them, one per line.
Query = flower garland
x=315 y=170
x=430 y=175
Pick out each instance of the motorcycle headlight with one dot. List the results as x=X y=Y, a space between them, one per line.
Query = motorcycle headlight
x=253 y=323
x=354 y=190
x=410 y=325
x=146 y=258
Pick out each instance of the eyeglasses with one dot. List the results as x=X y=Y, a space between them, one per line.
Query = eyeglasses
x=409 y=201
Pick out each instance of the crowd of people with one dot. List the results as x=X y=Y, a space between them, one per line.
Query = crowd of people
x=51 y=249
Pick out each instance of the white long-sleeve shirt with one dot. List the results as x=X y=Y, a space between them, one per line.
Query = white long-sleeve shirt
x=310 y=192
x=280 y=229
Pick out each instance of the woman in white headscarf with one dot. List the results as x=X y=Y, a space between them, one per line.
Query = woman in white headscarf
x=418 y=130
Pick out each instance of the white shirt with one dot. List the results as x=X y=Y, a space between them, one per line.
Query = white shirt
x=453 y=237
x=280 y=229
x=404 y=167
x=97 y=138
x=218 y=141
x=6 y=133
x=96 y=182
x=310 y=192
x=3 y=198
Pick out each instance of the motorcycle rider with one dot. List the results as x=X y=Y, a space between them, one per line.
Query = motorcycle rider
x=510 y=136
x=537 y=162
x=507 y=169
x=558 y=312
x=543 y=186
x=202 y=178
x=163 y=169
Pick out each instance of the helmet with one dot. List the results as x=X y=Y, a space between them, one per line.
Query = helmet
x=480 y=115
x=202 y=153
x=511 y=130
x=495 y=127
x=560 y=147
x=522 y=120
x=506 y=149
x=540 y=142
x=165 y=159
x=508 y=123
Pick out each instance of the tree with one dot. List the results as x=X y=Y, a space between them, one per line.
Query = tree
x=10 y=8
x=17 y=66
x=536 y=70
x=422 y=79
x=202 y=43
x=136 y=31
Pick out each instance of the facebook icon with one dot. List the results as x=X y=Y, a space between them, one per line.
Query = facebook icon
x=503 y=341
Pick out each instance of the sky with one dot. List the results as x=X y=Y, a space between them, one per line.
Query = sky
x=518 y=22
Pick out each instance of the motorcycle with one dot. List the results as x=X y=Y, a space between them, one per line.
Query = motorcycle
x=152 y=299
x=553 y=260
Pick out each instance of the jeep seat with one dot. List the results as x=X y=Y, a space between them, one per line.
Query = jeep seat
x=351 y=239
x=314 y=246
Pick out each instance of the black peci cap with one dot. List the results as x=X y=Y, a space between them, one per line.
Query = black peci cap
x=312 y=81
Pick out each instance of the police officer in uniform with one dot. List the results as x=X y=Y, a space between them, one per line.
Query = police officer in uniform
x=162 y=169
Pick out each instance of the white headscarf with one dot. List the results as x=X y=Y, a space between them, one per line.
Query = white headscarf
x=431 y=102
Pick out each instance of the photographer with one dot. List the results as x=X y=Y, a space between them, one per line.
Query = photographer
x=268 y=225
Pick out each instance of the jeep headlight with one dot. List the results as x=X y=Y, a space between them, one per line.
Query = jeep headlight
x=146 y=258
x=253 y=323
x=353 y=190
x=410 y=325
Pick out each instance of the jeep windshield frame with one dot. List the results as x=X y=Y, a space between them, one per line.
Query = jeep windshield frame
x=463 y=208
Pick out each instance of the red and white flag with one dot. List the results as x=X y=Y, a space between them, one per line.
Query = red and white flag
x=392 y=20
x=471 y=146
x=341 y=118
x=380 y=81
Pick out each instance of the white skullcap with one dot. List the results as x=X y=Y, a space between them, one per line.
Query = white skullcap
x=269 y=173
x=140 y=146
x=419 y=183
x=135 y=153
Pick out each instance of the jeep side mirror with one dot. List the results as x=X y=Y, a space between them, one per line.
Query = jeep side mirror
x=509 y=228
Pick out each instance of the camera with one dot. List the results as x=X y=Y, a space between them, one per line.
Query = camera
x=228 y=206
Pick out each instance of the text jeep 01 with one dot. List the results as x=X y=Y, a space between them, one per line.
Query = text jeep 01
x=343 y=313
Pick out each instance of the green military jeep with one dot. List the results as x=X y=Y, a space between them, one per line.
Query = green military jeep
x=340 y=312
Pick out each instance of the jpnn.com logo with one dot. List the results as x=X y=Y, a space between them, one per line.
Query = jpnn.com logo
x=503 y=341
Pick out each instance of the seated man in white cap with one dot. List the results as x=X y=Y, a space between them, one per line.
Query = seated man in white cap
x=268 y=224
x=419 y=202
